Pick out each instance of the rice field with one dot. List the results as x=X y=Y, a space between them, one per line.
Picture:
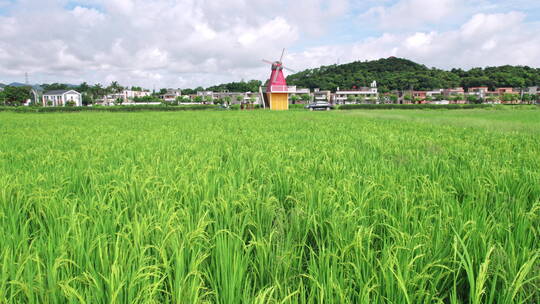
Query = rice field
x=264 y=207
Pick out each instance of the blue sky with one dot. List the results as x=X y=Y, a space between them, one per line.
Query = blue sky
x=188 y=43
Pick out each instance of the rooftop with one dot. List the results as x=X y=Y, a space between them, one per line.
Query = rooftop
x=57 y=92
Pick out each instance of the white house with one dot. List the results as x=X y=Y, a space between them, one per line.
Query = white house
x=367 y=94
x=171 y=95
x=60 y=98
x=125 y=96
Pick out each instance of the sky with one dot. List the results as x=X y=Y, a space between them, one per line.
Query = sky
x=190 y=43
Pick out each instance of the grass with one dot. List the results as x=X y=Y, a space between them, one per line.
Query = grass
x=264 y=207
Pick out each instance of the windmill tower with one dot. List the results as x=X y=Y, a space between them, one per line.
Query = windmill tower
x=277 y=91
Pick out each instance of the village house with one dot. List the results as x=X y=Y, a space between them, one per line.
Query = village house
x=481 y=92
x=125 y=96
x=451 y=92
x=365 y=94
x=419 y=95
x=171 y=95
x=502 y=91
x=322 y=96
x=532 y=90
x=234 y=97
x=294 y=91
x=60 y=98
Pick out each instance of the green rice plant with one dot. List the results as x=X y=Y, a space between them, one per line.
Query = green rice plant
x=378 y=206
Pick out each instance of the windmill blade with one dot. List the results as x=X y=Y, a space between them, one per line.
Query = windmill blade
x=288 y=69
x=282 y=53
x=267 y=61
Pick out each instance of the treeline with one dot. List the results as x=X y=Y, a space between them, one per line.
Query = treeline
x=402 y=74
x=242 y=86
x=14 y=96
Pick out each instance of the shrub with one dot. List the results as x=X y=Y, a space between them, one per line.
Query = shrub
x=412 y=106
x=296 y=106
x=134 y=108
x=147 y=99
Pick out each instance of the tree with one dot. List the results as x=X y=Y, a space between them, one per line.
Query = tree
x=509 y=97
x=473 y=98
x=198 y=99
x=16 y=96
x=239 y=98
x=491 y=99
x=351 y=99
x=97 y=91
x=393 y=98
x=83 y=88
x=218 y=101
x=54 y=86
x=227 y=100
x=408 y=98
x=438 y=97
x=146 y=99
x=397 y=73
x=305 y=97
x=208 y=99
x=361 y=99
x=294 y=99
x=87 y=99
x=115 y=88
x=529 y=98
x=181 y=99
x=189 y=91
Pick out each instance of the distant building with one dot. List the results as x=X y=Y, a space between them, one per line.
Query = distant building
x=294 y=91
x=125 y=96
x=324 y=95
x=501 y=91
x=478 y=90
x=481 y=92
x=434 y=93
x=254 y=97
x=205 y=93
x=60 y=98
x=369 y=95
x=532 y=90
x=235 y=97
x=419 y=95
x=129 y=94
x=453 y=92
x=171 y=95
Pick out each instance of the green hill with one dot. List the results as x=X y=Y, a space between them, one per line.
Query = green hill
x=402 y=74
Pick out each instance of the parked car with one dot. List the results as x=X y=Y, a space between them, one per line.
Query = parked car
x=319 y=105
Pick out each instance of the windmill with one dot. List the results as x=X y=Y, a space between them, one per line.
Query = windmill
x=277 y=90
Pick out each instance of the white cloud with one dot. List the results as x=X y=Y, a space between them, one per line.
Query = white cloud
x=87 y=16
x=484 y=40
x=187 y=43
x=411 y=13
x=490 y=24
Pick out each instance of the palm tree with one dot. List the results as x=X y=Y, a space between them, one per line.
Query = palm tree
x=97 y=91
x=115 y=88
